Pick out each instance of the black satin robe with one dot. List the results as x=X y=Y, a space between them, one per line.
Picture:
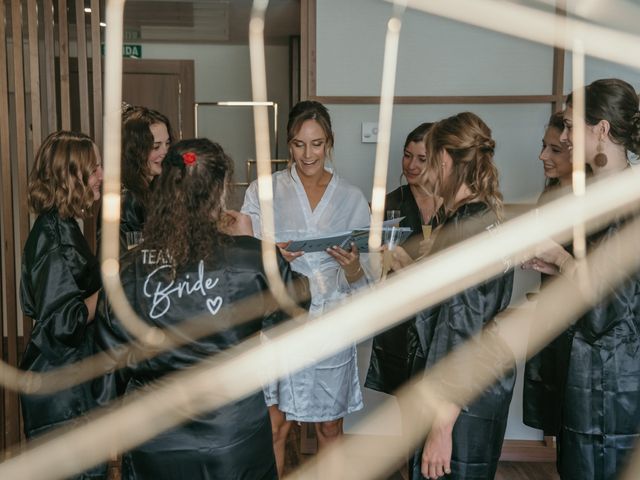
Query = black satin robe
x=479 y=430
x=600 y=395
x=388 y=367
x=545 y=372
x=235 y=441
x=132 y=217
x=58 y=273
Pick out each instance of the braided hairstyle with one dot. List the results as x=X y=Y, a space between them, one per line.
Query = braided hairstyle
x=187 y=201
x=615 y=101
x=467 y=139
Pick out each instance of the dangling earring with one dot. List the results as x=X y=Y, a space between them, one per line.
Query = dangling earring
x=601 y=158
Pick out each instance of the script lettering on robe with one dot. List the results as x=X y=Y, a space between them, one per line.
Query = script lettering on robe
x=161 y=292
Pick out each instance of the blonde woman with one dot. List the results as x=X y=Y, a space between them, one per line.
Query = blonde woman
x=60 y=277
x=465 y=440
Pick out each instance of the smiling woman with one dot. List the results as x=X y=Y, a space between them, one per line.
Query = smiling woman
x=310 y=199
x=146 y=137
x=60 y=278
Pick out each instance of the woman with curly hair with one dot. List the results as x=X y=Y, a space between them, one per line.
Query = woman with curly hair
x=185 y=267
x=464 y=441
x=60 y=277
x=146 y=137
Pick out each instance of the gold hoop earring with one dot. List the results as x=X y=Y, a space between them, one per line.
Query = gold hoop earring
x=601 y=158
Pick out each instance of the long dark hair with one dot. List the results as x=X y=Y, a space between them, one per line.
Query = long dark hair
x=615 y=101
x=137 y=143
x=187 y=200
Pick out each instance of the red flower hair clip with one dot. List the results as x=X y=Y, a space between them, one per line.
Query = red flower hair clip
x=189 y=158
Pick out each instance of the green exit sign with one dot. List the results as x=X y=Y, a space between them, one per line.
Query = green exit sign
x=129 y=50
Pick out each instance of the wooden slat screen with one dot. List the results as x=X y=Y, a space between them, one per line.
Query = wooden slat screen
x=38 y=95
x=10 y=323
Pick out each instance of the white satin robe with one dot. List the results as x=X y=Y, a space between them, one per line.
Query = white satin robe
x=328 y=389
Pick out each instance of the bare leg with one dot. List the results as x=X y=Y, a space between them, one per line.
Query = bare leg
x=328 y=433
x=279 y=429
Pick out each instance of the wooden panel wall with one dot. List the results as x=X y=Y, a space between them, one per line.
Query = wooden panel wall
x=36 y=99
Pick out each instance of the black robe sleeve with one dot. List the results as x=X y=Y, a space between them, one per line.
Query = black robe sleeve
x=388 y=366
x=58 y=273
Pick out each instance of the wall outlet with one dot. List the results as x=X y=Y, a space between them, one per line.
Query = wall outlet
x=369 y=132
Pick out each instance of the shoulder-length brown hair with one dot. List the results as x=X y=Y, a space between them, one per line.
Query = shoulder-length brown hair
x=187 y=201
x=137 y=143
x=467 y=139
x=60 y=175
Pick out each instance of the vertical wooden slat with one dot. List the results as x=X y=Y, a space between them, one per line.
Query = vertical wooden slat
x=558 y=66
x=308 y=49
x=11 y=408
x=83 y=74
x=34 y=75
x=304 y=50
x=63 y=42
x=20 y=162
x=96 y=64
x=7 y=272
x=83 y=94
x=50 y=67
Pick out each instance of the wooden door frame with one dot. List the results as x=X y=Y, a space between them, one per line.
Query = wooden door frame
x=184 y=69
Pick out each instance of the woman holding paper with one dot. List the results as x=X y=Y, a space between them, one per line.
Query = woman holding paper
x=412 y=200
x=388 y=364
x=465 y=439
x=310 y=199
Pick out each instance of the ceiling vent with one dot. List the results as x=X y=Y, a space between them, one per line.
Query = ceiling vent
x=177 y=21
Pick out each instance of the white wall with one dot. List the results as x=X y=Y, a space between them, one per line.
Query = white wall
x=222 y=72
x=436 y=57
x=439 y=57
x=596 y=68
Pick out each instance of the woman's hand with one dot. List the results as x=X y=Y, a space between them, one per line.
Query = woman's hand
x=400 y=259
x=235 y=223
x=436 y=454
x=348 y=260
x=551 y=259
x=287 y=255
x=540 y=265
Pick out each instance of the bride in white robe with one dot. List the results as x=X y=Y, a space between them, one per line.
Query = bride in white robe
x=312 y=200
